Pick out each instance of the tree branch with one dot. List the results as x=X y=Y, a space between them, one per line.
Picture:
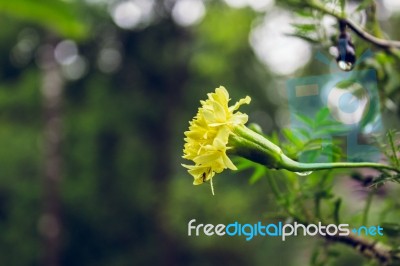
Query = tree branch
x=378 y=42
x=371 y=249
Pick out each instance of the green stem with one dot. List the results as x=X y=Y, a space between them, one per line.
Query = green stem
x=367 y=207
x=396 y=160
x=294 y=166
x=257 y=148
x=318 y=197
x=274 y=187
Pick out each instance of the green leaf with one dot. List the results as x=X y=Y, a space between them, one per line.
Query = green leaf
x=306 y=120
x=342 y=5
x=315 y=144
x=364 y=4
x=305 y=37
x=322 y=115
x=344 y=84
x=332 y=130
x=305 y=13
x=289 y=135
x=258 y=173
x=275 y=138
x=310 y=156
x=243 y=164
x=56 y=15
x=391 y=229
x=303 y=132
x=393 y=156
x=329 y=123
x=336 y=209
x=304 y=28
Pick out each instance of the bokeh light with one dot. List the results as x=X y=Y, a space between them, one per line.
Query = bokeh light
x=127 y=15
x=282 y=54
x=257 y=5
x=188 y=12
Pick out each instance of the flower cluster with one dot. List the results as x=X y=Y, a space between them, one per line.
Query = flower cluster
x=208 y=135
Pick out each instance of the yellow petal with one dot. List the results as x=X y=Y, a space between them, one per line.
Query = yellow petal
x=205 y=158
x=219 y=112
x=207 y=138
x=246 y=100
x=229 y=163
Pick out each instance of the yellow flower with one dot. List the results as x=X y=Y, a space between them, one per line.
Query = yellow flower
x=209 y=131
x=217 y=128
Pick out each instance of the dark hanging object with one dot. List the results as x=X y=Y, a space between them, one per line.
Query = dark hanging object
x=347 y=55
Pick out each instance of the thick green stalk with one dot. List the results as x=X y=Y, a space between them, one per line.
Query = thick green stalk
x=257 y=148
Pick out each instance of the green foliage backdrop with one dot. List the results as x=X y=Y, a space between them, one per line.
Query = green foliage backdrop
x=124 y=198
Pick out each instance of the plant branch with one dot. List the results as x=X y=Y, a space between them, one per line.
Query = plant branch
x=255 y=147
x=378 y=42
x=368 y=248
x=295 y=166
x=384 y=254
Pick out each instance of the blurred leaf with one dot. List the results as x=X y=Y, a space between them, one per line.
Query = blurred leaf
x=52 y=14
x=315 y=144
x=303 y=28
x=331 y=130
x=310 y=156
x=258 y=173
x=305 y=119
x=393 y=157
x=342 y=5
x=322 y=115
x=305 y=37
x=391 y=229
x=275 y=138
x=302 y=131
x=382 y=179
x=344 y=84
x=364 y=4
x=334 y=151
x=330 y=123
x=305 y=31
x=336 y=209
x=289 y=135
x=305 y=13
x=243 y=164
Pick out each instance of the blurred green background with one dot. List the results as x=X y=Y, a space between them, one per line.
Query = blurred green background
x=94 y=98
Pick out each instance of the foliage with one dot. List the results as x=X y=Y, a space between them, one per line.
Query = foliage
x=56 y=15
x=124 y=197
